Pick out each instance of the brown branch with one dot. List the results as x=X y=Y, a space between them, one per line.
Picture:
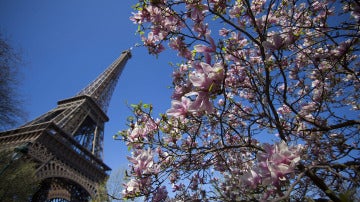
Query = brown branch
x=319 y=183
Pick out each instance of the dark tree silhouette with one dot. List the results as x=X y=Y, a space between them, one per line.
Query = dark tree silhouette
x=11 y=112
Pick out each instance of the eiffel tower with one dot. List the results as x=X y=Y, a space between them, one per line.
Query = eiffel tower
x=67 y=142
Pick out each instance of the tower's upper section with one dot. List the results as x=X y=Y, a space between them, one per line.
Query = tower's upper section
x=102 y=87
x=83 y=116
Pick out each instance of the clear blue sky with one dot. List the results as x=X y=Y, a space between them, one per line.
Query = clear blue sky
x=66 y=44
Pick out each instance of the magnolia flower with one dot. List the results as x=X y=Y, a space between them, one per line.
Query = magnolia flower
x=308 y=108
x=206 y=49
x=152 y=42
x=151 y=39
x=275 y=42
x=160 y=194
x=137 y=18
x=201 y=28
x=178 y=44
x=281 y=159
x=207 y=77
x=251 y=179
x=273 y=165
x=137 y=133
x=224 y=32
x=143 y=163
x=198 y=13
x=202 y=102
x=180 y=91
x=284 y=109
x=142 y=131
x=179 y=109
x=131 y=188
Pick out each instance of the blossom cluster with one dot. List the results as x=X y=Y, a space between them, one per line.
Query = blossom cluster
x=143 y=166
x=256 y=77
x=205 y=80
x=274 y=165
x=271 y=169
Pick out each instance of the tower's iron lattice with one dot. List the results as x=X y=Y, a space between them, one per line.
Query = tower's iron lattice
x=67 y=141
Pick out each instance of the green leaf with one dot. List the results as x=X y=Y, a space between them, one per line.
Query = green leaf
x=193 y=53
x=139 y=30
x=211 y=87
x=347 y=196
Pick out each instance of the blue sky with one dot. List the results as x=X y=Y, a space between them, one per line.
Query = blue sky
x=67 y=44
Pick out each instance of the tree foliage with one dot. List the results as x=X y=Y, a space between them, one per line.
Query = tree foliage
x=102 y=195
x=18 y=180
x=265 y=102
x=111 y=189
x=114 y=184
x=10 y=103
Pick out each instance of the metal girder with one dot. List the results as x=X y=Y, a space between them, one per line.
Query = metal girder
x=67 y=141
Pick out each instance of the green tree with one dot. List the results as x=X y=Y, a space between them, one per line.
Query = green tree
x=11 y=112
x=18 y=180
x=102 y=193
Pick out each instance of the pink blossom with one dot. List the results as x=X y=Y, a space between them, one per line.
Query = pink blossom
x=202 y=29
x=281 y=159
x=221 y=102
x=355 y=12
x=251 y=179
x=257 y=5
x=137 y=18
x=274 y=164
x=207 y=76
x=202 y=102
x=224 y=32
x=308 y=108
x=152 y=43
x=179 y=45
x=206 y=50
x=197 y=13
x=171 y=23
x=160 y=194
x=180 y=91
x=341 y=49
x=275 y=42
x=131 y=188
x=155 y=13
x=143 y=162
x=297 y=58
x=283 y=110
x=142 y=131
x=179 y=109
x=137 y=133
